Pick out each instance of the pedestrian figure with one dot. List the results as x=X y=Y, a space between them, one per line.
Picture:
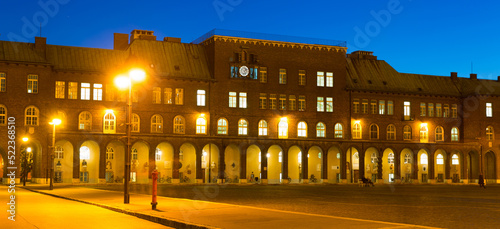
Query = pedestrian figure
x=252 y=177
x=481 y=181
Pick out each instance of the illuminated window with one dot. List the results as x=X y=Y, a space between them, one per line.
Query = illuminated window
x=423 y=159
x=390 y=158
x=3 y=82
x=272 y=101
x=179 y=125
x=136 y=123
x=31 y=116
x=424 y=134
x=263 y=75
x=222 y=126
x=3 y=115
x=158 y=154
x=355 y=106
x=232 y=99
x=430 y=107
x=339 y=132
x=439 y=111
x=85 y=91
x=201 y=125
x=135 y=154
x=292 y=103
x=490 y=133
x=423 y=111
x=302 y=102
x=439 y=133
x=364 y=106
x=156 y=124
x=59 y=152
x=439 y=159
x=242 y=127
x=356 y=131
x=302 y=129
x=282 y=76
x=446 y=111
x=454 y=134
x=84 y=153
x=98 y=92
x=373 y=131
x=320 y=107
x=391 y=132
x=407 y=110
x=390 y=107
x=489 y=110
x=302 y=77
x=408 y=158
x=454 y=111
x=283 y=128
x=243 y=100
x=381 y=107
x=60 y=89
x=167 y=95
x=110 y=153
x=320 y=130
x=374 y=158
x=156 y=95
x=407 y=132
x=109 y=123
x=85 y=121
x=32 y=84
x=329 y=104
x=262 y=128
x=200 y=98
x=329 y=79
x=179 y=96
x=263 y=101
x=373 y=107
x=282 y=102
x=454 y=160
x=320 y=79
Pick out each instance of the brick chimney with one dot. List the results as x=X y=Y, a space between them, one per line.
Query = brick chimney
x=454 y=76
x=172 y=39
x=142 y=35
x=473 y=76
x=40 y=43
x=120 y=41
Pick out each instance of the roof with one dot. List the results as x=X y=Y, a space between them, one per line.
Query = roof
x=19 y=52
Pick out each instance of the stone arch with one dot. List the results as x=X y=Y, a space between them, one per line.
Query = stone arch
x=254 y=161
x=187 y=163
x=210 y=163
x=89 y=155
x=423 y=165
x=115 y=161
x=232 y=158
x=274 y=164
x=294 y=164
x=490 y=167
x=473 y=166
x=63 y=162
x=139 y=162
x=164 y=162
x=315 y=156
x=455 y=165
x=334 y=165
x=371 y=163
x=389 y=165
x=440 y=165
x=406 y=162
x=352 y=164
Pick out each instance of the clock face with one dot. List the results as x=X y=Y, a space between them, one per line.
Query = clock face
x=244 y=71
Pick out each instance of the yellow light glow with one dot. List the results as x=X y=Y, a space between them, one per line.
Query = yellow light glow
x=268 y=155
x=423 y=125
x=109 y=111
x=122 y=82
x=202 y=115
x=357 y=121
x=28 y=149
x=55 y=121
x=284 y=119
x=137 y=74
x=25 y=139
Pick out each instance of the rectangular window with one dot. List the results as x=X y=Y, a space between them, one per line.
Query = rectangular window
x=232 y=99
x=110 y=93
x=167 y=95
x=355 y=106
x=293 y=103
x=60 y=89
x=179 y=96
x=407 y=110
x=430 y=108
x=302 y=102
x=329 y=104
x=446 y=111
x=373 y=107
x=439 y=111
x=156 y=95
x=381 y=107
x=320 y=80
x=85 y=91
x=489 y=110
x=282 y=103
x=390 y=107
x=282 y=77
x=423 y=111
x=263 y=75
x=200 y=98
x=263 y=101
x=364 y=106
x=243 y=100
x=32 y=84
x=329 y=79
x=320 y=107
x=98 y=92
x=3 y=82
x=302 y=77
x=272 y=101
x=454 y=112
x=72 y=90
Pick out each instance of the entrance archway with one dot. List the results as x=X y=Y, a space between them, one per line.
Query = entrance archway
x=439 y=165
x=253 y=155
x=388 y=160
x=333 y=165
x=423 y=166
x=371 y=164
x=63 y=162
x=352 y=165
x=274 y=164
x=406 y=161
x=210 y=163
x=315 y=164
x=232 y=160
x=295 y=164
x=89 y=162
x=164 y=160
x=139 y=165
x=490 y=168
x=187 y=162
x=473 y=166
x=456 y=166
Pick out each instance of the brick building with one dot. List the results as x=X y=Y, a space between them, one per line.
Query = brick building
x=234 y=106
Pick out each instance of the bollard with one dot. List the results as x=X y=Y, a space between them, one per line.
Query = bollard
x=155 y=189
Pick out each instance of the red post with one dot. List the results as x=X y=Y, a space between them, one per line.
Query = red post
x=155 y=188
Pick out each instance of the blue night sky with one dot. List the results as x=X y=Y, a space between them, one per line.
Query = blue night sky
x=414 y=36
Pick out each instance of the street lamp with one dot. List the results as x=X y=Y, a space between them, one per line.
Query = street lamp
x=54 y=123
x=124 y=82
x=24 y=167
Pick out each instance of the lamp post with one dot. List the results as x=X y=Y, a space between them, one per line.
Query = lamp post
x=54 y=123
x=124 y=82
x=24 y=167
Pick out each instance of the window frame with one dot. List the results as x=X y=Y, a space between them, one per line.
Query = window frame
x=156 y=123
x=86 y=121
x=179 y=125
x=32 y=85
x=31 y=119
x=302 y=129
x=263 y=128
x=242 y=127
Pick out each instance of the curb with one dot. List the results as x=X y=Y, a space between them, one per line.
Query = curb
x=155 y=219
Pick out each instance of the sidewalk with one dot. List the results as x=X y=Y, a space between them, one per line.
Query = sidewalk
x=185 y=213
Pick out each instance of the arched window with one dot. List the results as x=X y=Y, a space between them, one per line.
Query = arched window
x=407 y=158
x=31 y=116
x=222 y=126
x=110 y=153
x=109 y=123
x=490 y=133
x=407 y=133
x=439 y=133
x=390 y=158
x=156 y=124
x=302 y=129
x=454 y=134
x=320 y=130
x=85 y=121
x=134 y=154
x=3 y=115
x=439 y=159
x=201 y=125
x=262 y=128
x=179 y=125
x=3 y=85
x=356 y=131
x=283 y=128
x=136 y=123
x=454 y=160
x=423 y=159
x=424 y=133
x=158 y=154
x=391 y=132
x=59 y=152
x=242 y=127
x=373 y=131
x=84 y=153
x=374 y=158
x=339 y=132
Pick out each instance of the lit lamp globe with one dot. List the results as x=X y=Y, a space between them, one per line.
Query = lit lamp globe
x=122 y=82
x=55 y=121
x=137 y=75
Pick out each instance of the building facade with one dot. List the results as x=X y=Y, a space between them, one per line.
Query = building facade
x=240 y=107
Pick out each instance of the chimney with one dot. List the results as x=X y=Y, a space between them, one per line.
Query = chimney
x=172 y=39
x=454 y=76
x=120 y=41
x=473 y=76
x=362 y=55
x=40 y=43
x=142 y=35
x=498 y=78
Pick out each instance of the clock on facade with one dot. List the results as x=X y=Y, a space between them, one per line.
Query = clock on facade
x=244 y=71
